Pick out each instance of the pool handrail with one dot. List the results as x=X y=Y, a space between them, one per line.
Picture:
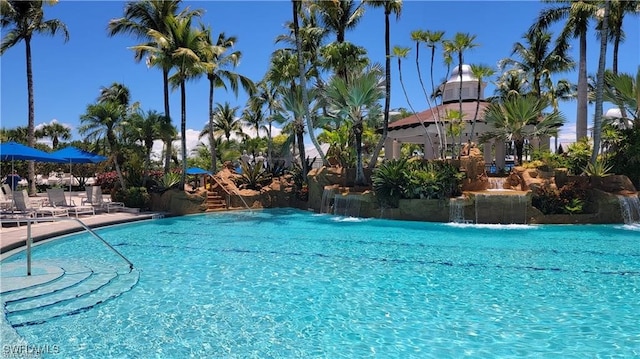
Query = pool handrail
x=56 y=219
x=229 y=194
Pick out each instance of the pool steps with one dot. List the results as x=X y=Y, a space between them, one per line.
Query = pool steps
x=78 y=289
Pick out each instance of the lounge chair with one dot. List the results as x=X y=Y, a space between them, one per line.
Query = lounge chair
x=25 y=207
x=57 y=199
x=6 y=203
x=96 y=199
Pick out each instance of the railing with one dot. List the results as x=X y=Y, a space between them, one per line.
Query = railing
x=57 y=219
x=229 y=194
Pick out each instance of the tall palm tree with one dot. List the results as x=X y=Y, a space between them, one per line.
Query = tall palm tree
x=184 y=45
x=225 y=122
x=303 y=82
x=480 y=72
x=55 y=131
x=141 y=19
x=357 y=99
x=431 y=39
x=577 y=15
x=517 y=118
x=597 y=119
x=103 y=121
x=459 y=44
x=538 y=60
x=339 y=16
x=390 y=7
x=23 y=19
x=221 y=73
x=267 y=95
x=618 y=9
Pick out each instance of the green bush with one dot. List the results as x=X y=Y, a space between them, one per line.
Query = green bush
x=133 y=197
x=390 y=181
x=569 y=199
x=578 y=156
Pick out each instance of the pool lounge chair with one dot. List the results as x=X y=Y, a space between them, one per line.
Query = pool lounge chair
x=5 y=202
x=96 y=199
x=28 y=209
x=58 y=199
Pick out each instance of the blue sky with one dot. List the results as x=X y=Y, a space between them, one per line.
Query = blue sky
x=68 y=77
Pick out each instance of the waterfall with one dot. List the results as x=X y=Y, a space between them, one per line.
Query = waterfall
x=630 y=208
x=327 y=199
x=496 y=183
x=346 y=205
x=501 y=209
x=456 y=210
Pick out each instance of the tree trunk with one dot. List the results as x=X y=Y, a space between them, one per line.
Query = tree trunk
x=303 y=84
x=597 y=119
x=31 y=140
x=387 y=97
x=360 y=179
x=301 y=151
x=183 y=131
x=212 y=144
x=169 y=147
x=519 y=145
x=581 y=112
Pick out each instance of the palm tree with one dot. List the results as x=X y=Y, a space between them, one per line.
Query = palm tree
x=292 y=102
x=618 y=9
x=357 y=99
x=146 y=126
x=24 y=19
x=597 y=119
x=339 y=16
x=220 y=73
x=395 y=7
x=303 y=81
x=267 y=94
x=102 y=121
x=431 y=40
x=518 y=118
x=55 y=131
x=623 y=90
x=537 y=60
x=460 y=43
x=577 y=14
x=225 y=122
x=142 y=19
x=479 y=72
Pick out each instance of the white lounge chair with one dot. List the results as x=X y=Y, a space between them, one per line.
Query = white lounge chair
x=96 y=199
x=6 y=203
x=58 y=199
x=25 y=207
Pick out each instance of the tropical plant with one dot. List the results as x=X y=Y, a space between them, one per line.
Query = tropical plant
x=146 y=20
x=577 y=15
x=253 y=176
x=168 y=181
x=55 y=131
x=390 y=6
x=599 y=168
x=578 y=155
x=133 y=197
x=519 y=118
x=390 y=181
x=357 y=100
x=23 y=19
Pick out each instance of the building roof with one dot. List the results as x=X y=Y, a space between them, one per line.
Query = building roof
x=429 y=116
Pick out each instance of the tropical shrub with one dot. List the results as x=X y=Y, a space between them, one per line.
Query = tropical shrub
x=546 y=160
x=133 y=197
x=569 y=199
x=107 y=180
x=390 y=181
x=598 y=169
x=578 y=156
x=254 y=176
x=626 y=157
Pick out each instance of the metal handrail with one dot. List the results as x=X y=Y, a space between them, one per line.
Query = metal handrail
x=57 y=219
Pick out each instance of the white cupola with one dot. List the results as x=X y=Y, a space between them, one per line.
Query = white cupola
x=451 y=89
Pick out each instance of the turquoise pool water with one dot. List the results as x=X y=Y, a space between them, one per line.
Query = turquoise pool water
x=293 y=284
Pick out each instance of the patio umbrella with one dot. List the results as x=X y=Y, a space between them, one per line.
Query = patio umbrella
x=17 y=151
x=76 y=155
x=197 y=171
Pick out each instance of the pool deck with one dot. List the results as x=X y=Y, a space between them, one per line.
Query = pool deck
x=15 y=237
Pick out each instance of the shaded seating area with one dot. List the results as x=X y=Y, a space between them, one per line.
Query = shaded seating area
x=58 y=199
x=27 y=208
x=96 y=199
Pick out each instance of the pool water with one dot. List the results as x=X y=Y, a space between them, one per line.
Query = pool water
x=292 y=284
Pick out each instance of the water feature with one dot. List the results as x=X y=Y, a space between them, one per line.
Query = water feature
x=630 y=208
x=347 y=205
x=456 y=210
x=501 y=208
x=327 y=200
x=496 y=183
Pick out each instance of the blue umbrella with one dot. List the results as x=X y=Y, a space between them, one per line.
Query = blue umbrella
x=76 y=155
x=197 y=171
x=16 y=151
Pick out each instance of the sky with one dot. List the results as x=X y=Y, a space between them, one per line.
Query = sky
x=69 y=76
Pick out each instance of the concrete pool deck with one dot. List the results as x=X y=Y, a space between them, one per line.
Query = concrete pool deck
x=15 y=237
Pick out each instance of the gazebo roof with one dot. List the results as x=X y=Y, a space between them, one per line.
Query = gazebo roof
x=429 y=116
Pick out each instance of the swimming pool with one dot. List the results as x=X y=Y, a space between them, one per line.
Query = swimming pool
x=292 y=284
